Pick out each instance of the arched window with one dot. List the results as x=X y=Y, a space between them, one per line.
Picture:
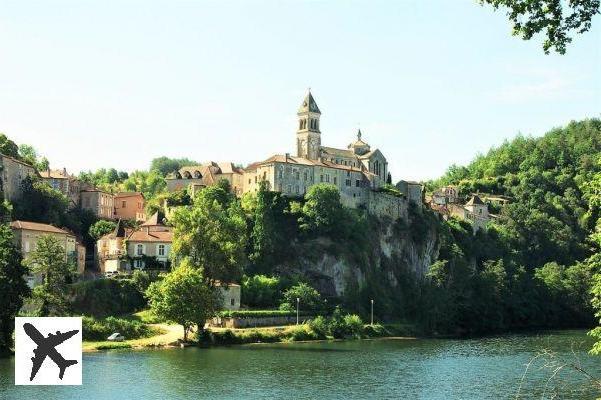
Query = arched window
x=300 y=124
x=197 y=175
x=187 y=175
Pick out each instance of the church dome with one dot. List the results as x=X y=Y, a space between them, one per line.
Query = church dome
x=359 y=146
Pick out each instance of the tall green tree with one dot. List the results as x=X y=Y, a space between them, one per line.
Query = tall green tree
x=322 y=212
x=12 y=286
x=50 y=261
x=211 y=235
x=184 y=297
x=41 y=203
x=165 y=165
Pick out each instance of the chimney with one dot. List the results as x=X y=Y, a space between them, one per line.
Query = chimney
x=287 y=156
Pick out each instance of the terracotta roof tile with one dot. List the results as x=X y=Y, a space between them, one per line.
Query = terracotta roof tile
x=36 y=226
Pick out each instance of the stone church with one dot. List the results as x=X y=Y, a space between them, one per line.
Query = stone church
x=356 y=170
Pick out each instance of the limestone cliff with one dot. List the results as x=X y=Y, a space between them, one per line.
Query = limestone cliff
x=389 y=252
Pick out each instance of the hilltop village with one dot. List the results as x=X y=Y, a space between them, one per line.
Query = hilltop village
x=359 y=171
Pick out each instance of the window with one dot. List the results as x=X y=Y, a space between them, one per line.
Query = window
x=321 y=178
x=335 y=183
x=232 y=302
x=123 y=204
x=249 y=181
x=139 y=249
x=327 y=177
x=280 y=174
x=297 y=175
x=348 y=182
x=138 y=264
x=357 y=183
x=296 y=189
x=305 y=175
x=264 y=176
x=161 y=250
x=255 y=179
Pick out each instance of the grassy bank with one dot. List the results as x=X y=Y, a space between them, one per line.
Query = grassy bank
x=171 y=334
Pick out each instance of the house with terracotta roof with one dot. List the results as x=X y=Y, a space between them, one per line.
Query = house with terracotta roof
x=355 y=171
x=26 y=235
x=129 y=205
x=196 y=177
x=12 y=173
x=147 y=247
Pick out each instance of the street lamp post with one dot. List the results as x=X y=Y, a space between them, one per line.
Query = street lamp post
x=372 y=311
x=297 y=308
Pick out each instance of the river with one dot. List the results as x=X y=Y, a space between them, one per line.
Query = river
x=485 y=368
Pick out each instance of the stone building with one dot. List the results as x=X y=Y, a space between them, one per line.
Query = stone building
x=67 y=184
x=101 y=203
x=355 y=171
x=475 y=211
x=130 y=205
x=12 y=173
x=195 y=177
x=127 y=249
x=413 y=191
x=26 y=235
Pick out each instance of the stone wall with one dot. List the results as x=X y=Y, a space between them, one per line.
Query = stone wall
x=386 y=205
x=12 y=173
x=252 y=322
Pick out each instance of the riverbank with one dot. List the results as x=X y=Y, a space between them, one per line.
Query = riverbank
x=172 y=336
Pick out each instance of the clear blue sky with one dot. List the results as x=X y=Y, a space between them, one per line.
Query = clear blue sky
x=431 y=83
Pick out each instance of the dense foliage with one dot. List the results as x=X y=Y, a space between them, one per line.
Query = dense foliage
x=104 y=297
x=554 y=18
x=101 y=329
x=532 y=267
x=183 y=297
x=13 y=287
x=48 y=261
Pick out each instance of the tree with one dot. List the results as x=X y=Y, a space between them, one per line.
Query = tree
x=165 y=165
x=12 y=286
x=389 y=179
x=101 y=228
x=211 y=235
x=8 y=147
x=41 y=203
x=556 y=18
x=50 y=261
x=322 y=212
x=183 y=297
x=309 y=298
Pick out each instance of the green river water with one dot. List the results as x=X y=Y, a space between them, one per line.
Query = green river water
x=485 y=368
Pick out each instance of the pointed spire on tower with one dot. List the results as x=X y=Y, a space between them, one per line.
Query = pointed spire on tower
x=309 y=104
x=359 y=134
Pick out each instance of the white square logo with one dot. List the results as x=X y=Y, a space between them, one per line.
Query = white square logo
x=48 y=351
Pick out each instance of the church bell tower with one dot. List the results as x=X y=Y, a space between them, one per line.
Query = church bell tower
x=308 y=136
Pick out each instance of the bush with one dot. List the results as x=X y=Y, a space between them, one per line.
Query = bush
x=260 y=291
x=320 y=327
x=100 y=329
x=104 y=297
x=375 y=330
x=310 y=300
x=353 y=325
x=300 y=333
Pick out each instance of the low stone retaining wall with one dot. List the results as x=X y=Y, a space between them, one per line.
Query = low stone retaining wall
x=252 y=322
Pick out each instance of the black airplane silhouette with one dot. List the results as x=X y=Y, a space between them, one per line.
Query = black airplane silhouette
x=46 y=347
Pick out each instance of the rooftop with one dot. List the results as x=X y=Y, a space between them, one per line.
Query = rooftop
x=36 y=226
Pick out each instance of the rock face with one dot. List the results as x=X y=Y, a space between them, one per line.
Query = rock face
x=392 y=250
